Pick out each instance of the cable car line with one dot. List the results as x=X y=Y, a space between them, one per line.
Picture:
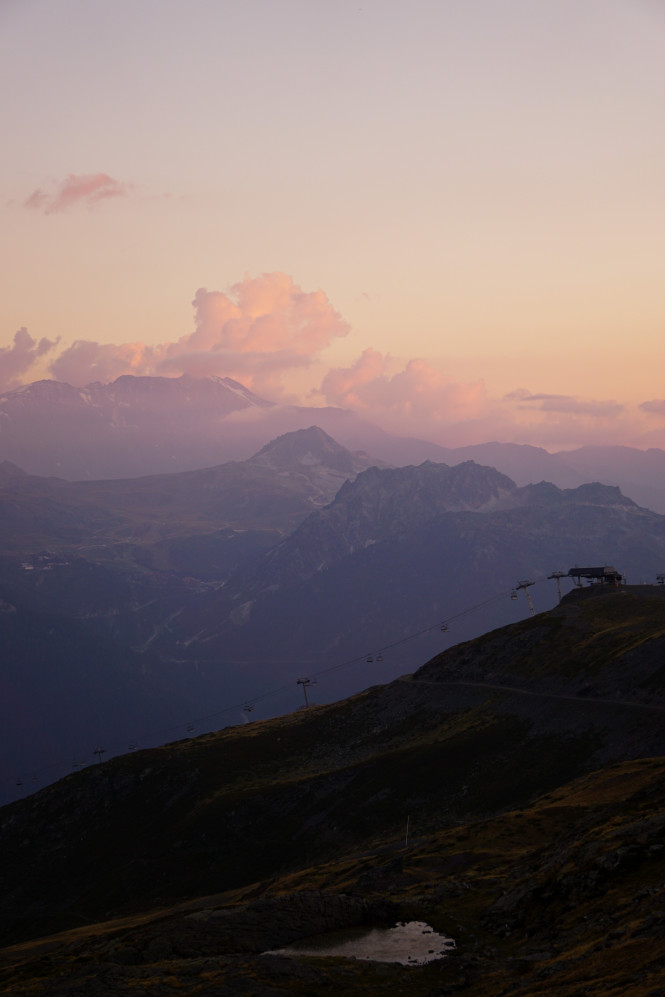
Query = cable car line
x=248 y=704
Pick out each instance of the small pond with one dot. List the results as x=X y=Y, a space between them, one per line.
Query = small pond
x=411 y=943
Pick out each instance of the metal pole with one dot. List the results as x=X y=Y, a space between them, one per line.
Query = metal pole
x=304 y=683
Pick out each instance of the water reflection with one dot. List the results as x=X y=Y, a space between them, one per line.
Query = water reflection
x=411 y=943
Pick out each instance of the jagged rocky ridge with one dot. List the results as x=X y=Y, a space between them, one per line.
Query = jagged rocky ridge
x=398 y=549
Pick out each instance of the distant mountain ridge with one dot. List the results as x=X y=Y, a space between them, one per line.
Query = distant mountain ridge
x=229 y=579
x=145 y=425
x=398 y=549
x=154 y=425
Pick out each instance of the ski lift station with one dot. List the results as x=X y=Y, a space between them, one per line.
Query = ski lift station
x=604 y=575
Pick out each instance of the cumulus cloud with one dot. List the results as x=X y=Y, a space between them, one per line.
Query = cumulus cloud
x=16 y=360
x=86 y=361
x=266 y=327
x=88 y=189
x=262 y=328
x=407 y=400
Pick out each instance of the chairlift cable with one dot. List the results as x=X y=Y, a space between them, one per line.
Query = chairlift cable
x=248 y=704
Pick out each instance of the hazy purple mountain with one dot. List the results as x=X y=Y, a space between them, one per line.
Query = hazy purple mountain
x=157 y=518
x=154 y=425
x=193 y=587
x=399 y=549
x=93 y=570
x=639 y=473
x=525 y=464
x=136 y=425
x=151 y=425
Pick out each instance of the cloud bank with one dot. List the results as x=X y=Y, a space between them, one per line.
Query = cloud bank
x=264 y=328
x=415 y=394
x=420 y=400
x=261 y=329
x=88 y=189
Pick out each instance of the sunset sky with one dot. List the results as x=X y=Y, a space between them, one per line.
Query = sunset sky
x=448 y=215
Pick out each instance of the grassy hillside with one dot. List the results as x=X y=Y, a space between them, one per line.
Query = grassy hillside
x=530 y=764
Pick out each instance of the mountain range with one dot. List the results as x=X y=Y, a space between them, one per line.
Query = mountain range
x=510 y=794
x=399 y=551
x=135 y=609
x=153 y=425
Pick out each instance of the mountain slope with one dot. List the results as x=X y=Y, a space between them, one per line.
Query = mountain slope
x=192 y=575
x=114 y=562
x=272 y=491
x=398 y=550
x=133 y=426
x=526 y=868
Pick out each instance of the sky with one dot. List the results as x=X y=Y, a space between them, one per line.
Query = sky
x=447 y=215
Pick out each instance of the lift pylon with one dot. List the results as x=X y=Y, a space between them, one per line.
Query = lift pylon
x=525 y=585
x=558 y=575
x=305 y=683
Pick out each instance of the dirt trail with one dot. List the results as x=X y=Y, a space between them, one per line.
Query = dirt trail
x=542 y=695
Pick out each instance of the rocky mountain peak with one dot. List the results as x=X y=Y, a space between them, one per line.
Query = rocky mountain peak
x=218 y=393
x=383 y=504
x=311 y=447
x=596 y=493
x=414 y=493
x=39 y=394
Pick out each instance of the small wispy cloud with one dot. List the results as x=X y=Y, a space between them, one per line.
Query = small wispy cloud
x=88 y=189
x=565 y=403
x=656 y=406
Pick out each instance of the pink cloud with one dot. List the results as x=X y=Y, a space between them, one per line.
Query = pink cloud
x=88 y=189
x=561 y=421
x=16 y=360
x=419 y=400
x=267 y=314
x=418 y=394
x=86 y=361
x=264 y=327
x=261 y=328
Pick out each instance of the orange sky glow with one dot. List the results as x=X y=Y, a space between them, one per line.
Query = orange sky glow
x=448 y=216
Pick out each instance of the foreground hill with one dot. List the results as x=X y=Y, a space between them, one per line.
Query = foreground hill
x=527 y=762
